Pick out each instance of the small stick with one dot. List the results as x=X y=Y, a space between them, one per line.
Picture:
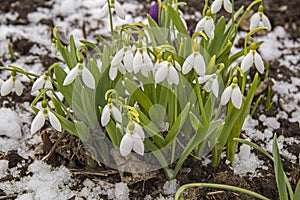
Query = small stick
x=52 y=150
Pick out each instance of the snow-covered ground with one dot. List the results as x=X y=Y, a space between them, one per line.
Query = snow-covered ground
x=42 y=180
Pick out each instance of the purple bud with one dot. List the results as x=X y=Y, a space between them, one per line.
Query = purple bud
x=191 y=31
x=154 y=12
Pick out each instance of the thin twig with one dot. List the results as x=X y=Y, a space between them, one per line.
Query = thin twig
x=52 y=150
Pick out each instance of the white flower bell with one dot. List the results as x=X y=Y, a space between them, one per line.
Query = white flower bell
x=207 y=25
x=124 y=55
x=87 y=76
x=118 y=8
x=133 y=139
x=39 y=120
x=252 y=57
x=232 y=92
x=142 y=62
x=12 y=84
x=42 y=82
x=217 y=4
x=259 y=19
x=211 y=83
x=194 y=61
x=109 y=110
x=167 y=70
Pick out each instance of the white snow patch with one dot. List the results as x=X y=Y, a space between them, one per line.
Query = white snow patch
x=3 y=168
x=10 y=123
x=170 y=187
x=121 y=191
x=245 y=161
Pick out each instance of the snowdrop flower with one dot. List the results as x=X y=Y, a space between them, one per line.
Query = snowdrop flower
x=167 y=70
x=142 y=62
x=124 y=55
x=133 y=139
x=207 y=25
x=211 y=83
x=194 y=60
x=109 y=110
x=87 y=76
x=217 y=4
x=118 y=8
x=39 y=120
x=252 y=57
x=12 y=84
x=42 y=82
x=259 y=19
x=232 y=92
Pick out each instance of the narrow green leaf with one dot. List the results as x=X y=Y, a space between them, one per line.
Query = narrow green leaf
x=73 y=52
x=279 y=172
x=297 y=190
x=83 y=131
x=179 y=122
x=66 y=124
x=219 y=39
x=175 y=16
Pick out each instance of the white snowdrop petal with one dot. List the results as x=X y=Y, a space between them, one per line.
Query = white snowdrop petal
x=113 y=71
x=216 y=6
x=138 y=146
x=200 y=25
x=247 y=62
x=259 y=64
x=121 y=68
x=226 y=95
x=105 y=117
x=254 y=21
x=210 y=28
x=18 y=87
x=177 y=66
x=188 y=64
x=71 y=75
x=88 y=78
x=119 y=10
x=54 y=121
x=161 y=74
x=173 y=76
x=228 y=6
x=128 y=59
x=199 y=64
x=38 y=84
x=266 y=22
x=117 y=114
x=38 y=122
x=215 y=87
x=139 y=130
x=137 y=62
x=203 y=79
x=48 y=84
x=207 y=86
x=7 y=87
x=126 y=144
x=237 y=97
x=1 y=82
x=117 y=59
x=104 y=11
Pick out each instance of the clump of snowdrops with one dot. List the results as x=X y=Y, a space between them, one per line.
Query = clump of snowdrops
x=153 y=93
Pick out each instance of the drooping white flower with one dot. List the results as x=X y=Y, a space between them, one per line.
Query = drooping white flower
x=108 y=111
x=122 y=61
x=207 y=25
x=252 y=57
x=234 y=93
x=217 y=4
x=259 y=19
x=211 y=83
x=132 y=140
x=44 y=114
x=166 y=70
x=116 y=5
x=87 y=76
x=194 y=61
x=99 y=64
x=12 y=84
x=42 y=82
x=142 y=62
